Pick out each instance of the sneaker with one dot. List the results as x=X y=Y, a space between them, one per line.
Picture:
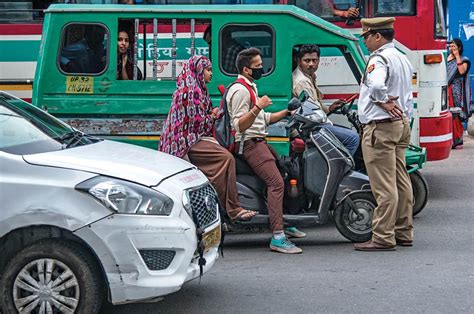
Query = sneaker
x=284 y=245
x=294 y=232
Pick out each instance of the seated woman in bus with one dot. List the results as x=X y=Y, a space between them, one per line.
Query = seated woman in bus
x=459 y=90
x=124 y=58
x=187 y=131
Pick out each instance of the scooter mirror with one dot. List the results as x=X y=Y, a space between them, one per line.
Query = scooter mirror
x=303 y=96
x=294 y=103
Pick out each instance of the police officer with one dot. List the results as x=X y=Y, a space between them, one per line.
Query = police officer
x=385 y=106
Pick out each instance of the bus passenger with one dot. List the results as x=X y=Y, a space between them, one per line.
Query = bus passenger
x=324 y=8
x=459 y=90
x=86 y=56
x=188 y=128
x=230 y=48
x=250 y=124
x=304 y=79
x=124 y=58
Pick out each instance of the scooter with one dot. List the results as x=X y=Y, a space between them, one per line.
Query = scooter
x=319 y=181
x=415 y=158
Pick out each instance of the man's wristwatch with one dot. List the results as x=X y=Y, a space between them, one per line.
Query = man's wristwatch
x=288 y=112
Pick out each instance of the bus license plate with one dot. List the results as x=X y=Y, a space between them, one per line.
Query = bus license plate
x=212 y=238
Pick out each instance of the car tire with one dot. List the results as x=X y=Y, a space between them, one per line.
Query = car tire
x=61 y=273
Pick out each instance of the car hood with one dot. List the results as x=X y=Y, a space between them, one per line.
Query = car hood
x=125 y=161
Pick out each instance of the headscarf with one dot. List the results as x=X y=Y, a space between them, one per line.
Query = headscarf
x=189 y=118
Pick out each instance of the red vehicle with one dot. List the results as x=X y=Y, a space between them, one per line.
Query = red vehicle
x=420 y=33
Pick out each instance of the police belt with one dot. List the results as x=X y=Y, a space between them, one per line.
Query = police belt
x=387 y=120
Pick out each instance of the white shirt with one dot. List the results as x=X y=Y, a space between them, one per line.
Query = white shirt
x=375 y=86
x=238 y=102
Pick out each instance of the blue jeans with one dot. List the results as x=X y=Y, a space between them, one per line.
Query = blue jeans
x=348 y=137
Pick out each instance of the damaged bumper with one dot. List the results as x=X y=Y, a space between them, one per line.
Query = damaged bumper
x=144 y=257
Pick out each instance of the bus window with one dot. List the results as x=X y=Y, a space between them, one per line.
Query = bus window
x=327 y=9
x=202 y=1
x=83 y=49
x=319 y=8
x=440 y=25
x=24 y=11
x=332 y=62
x=234 y=38
x=394 y=7
x=158 y=48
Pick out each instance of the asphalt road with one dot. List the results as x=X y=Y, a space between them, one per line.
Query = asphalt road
x=436 y=275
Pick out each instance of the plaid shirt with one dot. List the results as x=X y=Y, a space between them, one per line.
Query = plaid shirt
x=229 y=56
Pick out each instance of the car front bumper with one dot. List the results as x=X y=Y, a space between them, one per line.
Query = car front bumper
x=122 y=243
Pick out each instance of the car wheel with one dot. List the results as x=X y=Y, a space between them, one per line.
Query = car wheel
x=51 y=276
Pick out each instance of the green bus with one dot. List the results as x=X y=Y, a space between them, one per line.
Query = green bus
x=163 y=38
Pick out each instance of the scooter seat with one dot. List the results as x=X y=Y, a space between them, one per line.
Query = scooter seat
x=242 y=167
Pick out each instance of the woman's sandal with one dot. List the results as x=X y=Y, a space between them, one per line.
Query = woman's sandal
x=245 y=215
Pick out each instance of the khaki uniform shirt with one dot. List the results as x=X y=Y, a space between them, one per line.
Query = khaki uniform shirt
x=238 y=102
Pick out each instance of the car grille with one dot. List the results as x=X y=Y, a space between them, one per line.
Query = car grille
x=157 y=259
x=204 y=204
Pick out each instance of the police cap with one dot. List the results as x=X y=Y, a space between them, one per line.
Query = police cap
x=376 y=23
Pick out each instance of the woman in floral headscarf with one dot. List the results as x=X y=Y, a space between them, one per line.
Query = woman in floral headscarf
x=188 y=131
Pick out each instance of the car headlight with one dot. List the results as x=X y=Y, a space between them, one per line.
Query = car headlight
x=127 y=198
x=187 y=203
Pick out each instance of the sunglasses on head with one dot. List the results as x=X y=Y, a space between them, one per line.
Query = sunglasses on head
x=366 y=35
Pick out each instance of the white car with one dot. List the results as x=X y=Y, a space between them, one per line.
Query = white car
x=83 y=218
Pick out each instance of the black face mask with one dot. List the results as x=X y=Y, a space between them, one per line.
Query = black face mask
x=256 y=73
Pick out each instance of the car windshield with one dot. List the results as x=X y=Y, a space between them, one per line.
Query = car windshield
x=25 y=129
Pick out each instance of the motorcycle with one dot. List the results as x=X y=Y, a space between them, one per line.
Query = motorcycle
x=319 y=181
x=415 y=158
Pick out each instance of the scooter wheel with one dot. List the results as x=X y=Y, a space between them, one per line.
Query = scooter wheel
x=420 y=192
x=353 y=217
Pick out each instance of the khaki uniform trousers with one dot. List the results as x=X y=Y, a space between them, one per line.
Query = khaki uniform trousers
x=383 y=147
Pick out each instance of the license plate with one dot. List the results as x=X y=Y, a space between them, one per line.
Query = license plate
x=212 y=238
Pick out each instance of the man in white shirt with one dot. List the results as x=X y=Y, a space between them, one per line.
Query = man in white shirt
x=385 y=105
x=250 y=121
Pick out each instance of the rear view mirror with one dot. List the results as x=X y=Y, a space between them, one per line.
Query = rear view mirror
x=294 y=103
x=303 y=96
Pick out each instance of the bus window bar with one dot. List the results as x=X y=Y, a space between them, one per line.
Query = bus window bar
x=193 y=37
x=135 y=50
x=155 y=49
x=144 y=54
x=173 y=53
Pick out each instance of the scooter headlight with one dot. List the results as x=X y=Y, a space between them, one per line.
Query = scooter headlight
x=318 y=116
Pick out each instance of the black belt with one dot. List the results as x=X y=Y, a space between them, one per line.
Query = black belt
x=387 y=120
